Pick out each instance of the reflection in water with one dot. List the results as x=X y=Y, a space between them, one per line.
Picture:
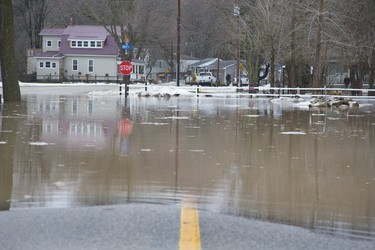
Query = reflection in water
x=8 y=128
x=248 y=157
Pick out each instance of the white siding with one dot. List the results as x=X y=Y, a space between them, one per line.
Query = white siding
x=48 y=68
x=53 y=41
x=102 y=66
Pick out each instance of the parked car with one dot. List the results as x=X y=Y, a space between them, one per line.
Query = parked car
x=244 y=80
x=206 y=78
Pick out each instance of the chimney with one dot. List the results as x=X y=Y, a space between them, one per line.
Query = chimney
x=71 y=22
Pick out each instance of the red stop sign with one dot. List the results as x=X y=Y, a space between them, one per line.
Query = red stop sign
x=126 y=67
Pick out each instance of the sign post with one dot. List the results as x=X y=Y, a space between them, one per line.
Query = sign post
x=125 y=68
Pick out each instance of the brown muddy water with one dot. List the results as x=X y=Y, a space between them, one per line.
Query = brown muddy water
x=247 y=157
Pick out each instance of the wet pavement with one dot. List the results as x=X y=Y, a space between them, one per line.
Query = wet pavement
x=246 y=158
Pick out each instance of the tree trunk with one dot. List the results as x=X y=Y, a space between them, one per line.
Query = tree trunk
x=273 y=63
x=371 y=79
x=292 y=69
x=9 y=68
x=318 y=48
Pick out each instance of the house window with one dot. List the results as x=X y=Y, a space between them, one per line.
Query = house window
x=141 y=69
x=75 y=64
x=85 y=44
x=59 y=44
x=49 y=43
x=41 y=64
x=48 y=65
x=54 y=65
x=91 y=66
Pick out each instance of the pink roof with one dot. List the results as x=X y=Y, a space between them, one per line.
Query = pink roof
x=49 y=54
x=52 y=31
x=83 y=32
x=86 y=32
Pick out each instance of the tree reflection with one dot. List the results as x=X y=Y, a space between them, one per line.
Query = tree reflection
x=9 y=118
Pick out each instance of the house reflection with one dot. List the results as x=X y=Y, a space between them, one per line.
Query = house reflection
x=75 y=122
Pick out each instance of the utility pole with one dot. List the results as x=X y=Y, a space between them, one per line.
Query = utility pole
x=237 y=14
x=178 y=41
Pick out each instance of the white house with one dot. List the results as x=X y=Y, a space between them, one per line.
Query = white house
x=79 y=52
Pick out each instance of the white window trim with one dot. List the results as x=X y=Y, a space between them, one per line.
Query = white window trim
x=49 y=41
x=43 y=64
x=88 y=66
x=73 y=64
x=92 y=44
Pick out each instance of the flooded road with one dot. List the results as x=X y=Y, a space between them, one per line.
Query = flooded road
x=247 y=157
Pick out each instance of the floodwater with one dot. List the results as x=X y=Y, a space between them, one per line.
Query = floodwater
x=247 y=157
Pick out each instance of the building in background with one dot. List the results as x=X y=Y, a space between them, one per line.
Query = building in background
x=79 y=53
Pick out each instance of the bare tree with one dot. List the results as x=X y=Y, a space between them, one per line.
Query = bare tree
x=204 y=32
x=318 y=45
x=273 y=25
x=371 y=43
x=32 y=15
x=360 y=24
x=296 y=33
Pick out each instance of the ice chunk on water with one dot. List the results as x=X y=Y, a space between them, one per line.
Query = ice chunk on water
x=59 y=184
x=292 y=133
x=38 y=143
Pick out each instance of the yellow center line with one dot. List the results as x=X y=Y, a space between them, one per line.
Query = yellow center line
x=189 y=227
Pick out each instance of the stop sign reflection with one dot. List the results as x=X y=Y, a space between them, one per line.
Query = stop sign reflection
x=125 y=127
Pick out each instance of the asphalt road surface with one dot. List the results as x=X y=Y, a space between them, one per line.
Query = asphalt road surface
x=152 y=226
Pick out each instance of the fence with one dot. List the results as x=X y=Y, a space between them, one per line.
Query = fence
x=78 y=78
x=316 y=92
